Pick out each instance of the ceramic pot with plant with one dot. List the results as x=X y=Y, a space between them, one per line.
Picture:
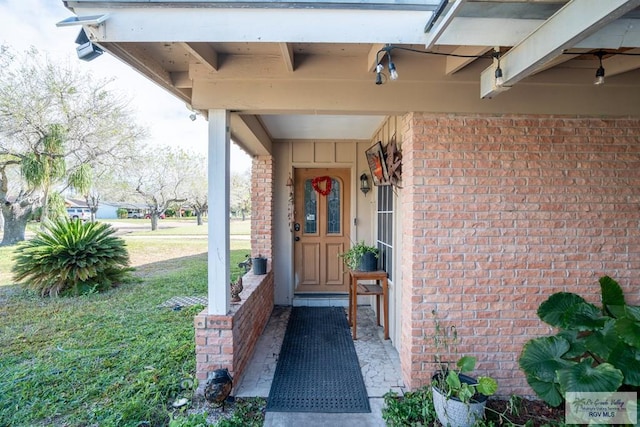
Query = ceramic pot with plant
x=361 y=257
x=459 y=400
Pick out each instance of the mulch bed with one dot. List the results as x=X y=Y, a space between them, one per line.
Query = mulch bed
x=527 y=410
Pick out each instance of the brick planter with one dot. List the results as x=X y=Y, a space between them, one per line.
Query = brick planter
x=229 y=341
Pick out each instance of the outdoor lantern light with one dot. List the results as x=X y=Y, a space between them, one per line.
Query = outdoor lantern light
x=364 y=184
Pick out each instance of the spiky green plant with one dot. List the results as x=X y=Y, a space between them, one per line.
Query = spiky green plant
x=72 y=258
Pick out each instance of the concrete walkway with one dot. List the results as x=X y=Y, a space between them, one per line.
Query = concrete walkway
x=378 y=359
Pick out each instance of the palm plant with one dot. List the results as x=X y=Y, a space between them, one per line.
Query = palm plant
x=72 y=258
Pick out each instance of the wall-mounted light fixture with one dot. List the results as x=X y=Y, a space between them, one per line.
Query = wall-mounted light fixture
x=364 y=184
x=87 y=51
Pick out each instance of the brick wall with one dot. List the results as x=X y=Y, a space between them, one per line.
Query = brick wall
x=229 y=341
x=506 y=210
x=262 y=206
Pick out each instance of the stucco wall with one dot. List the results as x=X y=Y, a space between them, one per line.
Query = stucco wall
x=500 y=212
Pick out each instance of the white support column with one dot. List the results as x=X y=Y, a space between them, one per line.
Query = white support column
x=218 y=259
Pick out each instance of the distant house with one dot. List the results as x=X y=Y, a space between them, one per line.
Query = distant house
x=107 y=210
x=77 y=209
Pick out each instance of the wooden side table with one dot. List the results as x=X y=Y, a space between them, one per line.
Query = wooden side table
x=381 y=289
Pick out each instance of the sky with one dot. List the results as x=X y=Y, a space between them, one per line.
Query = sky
x=26 y=23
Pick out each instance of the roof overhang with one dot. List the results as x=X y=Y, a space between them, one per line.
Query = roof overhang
x=262 y=59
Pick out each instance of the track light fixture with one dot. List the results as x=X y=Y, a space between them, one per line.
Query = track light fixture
x=600 y=71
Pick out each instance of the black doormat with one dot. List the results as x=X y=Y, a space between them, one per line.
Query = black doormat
x=318 y=369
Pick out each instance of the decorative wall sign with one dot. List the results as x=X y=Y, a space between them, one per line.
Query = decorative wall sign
x=394 y=162
x=377 y=164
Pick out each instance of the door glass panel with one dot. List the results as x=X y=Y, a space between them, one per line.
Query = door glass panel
x=333 y=208
x=310 y=208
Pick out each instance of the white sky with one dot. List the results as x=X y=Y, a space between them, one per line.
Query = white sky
x=25 y=23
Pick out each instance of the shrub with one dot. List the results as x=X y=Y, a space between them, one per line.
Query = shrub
x=72 y=258
x=596 y=350
x=415 y=408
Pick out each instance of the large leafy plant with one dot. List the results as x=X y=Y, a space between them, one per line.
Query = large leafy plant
x=596 y=350
x=72 y=258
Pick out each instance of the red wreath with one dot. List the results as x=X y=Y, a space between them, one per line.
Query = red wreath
x=315 y=183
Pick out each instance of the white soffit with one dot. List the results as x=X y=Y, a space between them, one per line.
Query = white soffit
x=321 y=127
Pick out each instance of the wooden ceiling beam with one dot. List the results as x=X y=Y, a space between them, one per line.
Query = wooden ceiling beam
x=287 y=56
x=618 y=64
x=203 y=53
x=454 y=64
x=575 y=21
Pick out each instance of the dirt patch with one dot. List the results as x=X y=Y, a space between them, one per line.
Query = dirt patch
x=535 y=411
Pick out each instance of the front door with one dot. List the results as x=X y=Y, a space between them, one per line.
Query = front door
x=322 y=200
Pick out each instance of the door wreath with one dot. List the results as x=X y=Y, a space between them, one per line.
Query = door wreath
x=315 y=183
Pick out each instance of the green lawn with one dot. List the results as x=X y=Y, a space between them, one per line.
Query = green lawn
x=6 y=255
x=190 y=228
x=112 y=359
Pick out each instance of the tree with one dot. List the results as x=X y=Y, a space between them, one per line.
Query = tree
x=159 y=180
x=240 y=193
x=196 y=186
x=57 y=125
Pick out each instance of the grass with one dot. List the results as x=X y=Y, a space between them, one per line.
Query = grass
x=112 y=359
x=188 y=227
x=6 y=261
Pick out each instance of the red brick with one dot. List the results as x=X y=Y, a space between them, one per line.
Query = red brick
x=547 y=206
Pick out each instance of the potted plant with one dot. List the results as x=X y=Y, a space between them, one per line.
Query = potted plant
x=259 y=265
x=459 y=400
x=361 y=257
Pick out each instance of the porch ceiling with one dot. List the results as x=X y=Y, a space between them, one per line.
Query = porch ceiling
x=305 y=69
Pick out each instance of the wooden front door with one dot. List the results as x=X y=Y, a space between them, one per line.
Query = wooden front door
x=321 y=229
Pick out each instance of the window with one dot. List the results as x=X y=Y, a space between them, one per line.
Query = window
x=384 y=240
x=334 y=225
x=310 y=209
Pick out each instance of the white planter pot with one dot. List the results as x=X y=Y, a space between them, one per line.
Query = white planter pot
x=454 y=413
